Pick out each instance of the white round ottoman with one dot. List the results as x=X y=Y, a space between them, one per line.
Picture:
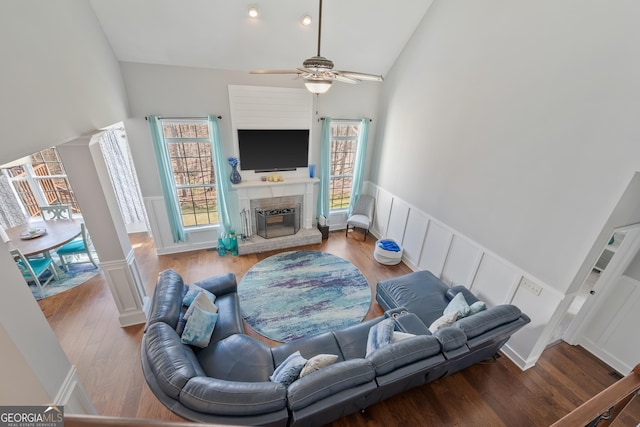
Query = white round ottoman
x=388 y=252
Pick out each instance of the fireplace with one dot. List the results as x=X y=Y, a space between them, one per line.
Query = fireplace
x=256 y=196
x=277 y=222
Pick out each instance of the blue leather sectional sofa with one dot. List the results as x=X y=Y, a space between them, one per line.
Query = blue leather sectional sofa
x=227 y=382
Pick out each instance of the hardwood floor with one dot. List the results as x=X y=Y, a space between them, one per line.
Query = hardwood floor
x=487 y=394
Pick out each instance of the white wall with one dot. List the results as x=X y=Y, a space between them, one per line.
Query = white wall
x=518 y=124
x=185 y=92
x=59 y=78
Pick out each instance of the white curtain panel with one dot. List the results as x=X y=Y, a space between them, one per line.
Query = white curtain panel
x=122 y=173
x=11 y=211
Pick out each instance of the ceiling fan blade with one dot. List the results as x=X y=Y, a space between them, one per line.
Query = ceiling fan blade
x=361 y=76
x=344 y=79
x=275 y=72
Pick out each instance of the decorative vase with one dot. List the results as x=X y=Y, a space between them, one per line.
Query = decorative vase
x=235 y=175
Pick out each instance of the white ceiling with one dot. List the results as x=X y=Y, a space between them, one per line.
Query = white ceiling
x=357 y=35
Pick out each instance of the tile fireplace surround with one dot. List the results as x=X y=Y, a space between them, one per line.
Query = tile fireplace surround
x=248 y=191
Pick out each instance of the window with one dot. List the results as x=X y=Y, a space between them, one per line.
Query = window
x=189 y=147
x=344 y=142
x=42 y=182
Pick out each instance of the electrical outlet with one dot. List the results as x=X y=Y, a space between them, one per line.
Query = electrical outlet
x=530 y=286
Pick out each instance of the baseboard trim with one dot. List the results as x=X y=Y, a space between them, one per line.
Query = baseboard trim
x=73 y=396
x=517 y=359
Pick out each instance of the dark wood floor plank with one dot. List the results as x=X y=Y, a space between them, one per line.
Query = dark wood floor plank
x=494 y=393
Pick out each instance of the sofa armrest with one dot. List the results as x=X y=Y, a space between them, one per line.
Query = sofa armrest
x=329 y=381
x=451 y=338
x=411 y=324
x=395 y=355
x=168 y=359
x=486 y=320
x=395 y=312
x=219 y=285
x=220 y=397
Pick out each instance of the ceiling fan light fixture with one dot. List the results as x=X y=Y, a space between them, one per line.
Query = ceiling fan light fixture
x=317 y=86
x=253 y=12
x=306 y=20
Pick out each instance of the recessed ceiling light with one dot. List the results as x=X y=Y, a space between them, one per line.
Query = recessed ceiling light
x=253 y=12
x=306 y=20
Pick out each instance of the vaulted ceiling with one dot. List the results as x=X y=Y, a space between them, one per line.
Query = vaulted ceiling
x=357 y=35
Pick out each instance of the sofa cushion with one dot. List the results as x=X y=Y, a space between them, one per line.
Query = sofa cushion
x=309 y=346
x=221 y=397
x=380 y=335
x=488 y=319
x=450 y=338
x=230 y=318
x=238 y=357
x=169 y=359
x=167 y=299
x=192 y=293
x=443 y=321
x=468 y=295
x=199 y=328
x=458 y=305
x=317 y=362
x=395 y=355
x=420 y=292
x=202 y=302
x=289 y=370
x=329 y=381
x=353 y=339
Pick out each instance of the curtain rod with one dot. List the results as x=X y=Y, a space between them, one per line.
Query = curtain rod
x=183 y=118
x=344 y=120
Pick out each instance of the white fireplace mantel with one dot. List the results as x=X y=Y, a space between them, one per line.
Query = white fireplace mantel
x=294 y=186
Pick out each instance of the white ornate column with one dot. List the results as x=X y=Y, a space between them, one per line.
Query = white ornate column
x=88 y=175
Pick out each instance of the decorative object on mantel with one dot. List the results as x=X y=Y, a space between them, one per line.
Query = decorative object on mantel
x=235 y=175
x=275 y=177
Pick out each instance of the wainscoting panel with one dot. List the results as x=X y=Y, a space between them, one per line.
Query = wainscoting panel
x=397 y=220
x=415 y=232
x=431 y=245
x=462 y=263
x=384 y=200
x=435 y=248
x=492 y=278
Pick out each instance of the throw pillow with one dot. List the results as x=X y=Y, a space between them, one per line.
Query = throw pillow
x=379 y=335
x=289 y=370
x=317 y=362
x=192 y=293
x=202 y=302
x=459 y=305
x=477 y=307
x=199 y=327
x=399 y=336
x=443 y=321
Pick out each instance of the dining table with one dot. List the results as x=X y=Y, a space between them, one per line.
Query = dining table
x=41 y=237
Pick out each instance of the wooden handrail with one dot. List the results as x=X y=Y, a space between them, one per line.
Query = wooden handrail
x=75 y=420
x=603 y=408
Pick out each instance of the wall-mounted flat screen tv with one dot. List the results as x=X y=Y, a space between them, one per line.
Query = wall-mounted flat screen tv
x=267 y=150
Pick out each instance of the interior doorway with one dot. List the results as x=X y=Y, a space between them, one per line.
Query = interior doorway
x=604 y=322
x=590 y=284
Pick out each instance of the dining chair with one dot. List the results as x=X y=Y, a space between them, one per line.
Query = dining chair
x=81 y=245
x=32 y=269
x=362 y=214
x=55 y=212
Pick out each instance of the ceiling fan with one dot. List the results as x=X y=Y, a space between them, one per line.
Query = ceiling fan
x=318 y=72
